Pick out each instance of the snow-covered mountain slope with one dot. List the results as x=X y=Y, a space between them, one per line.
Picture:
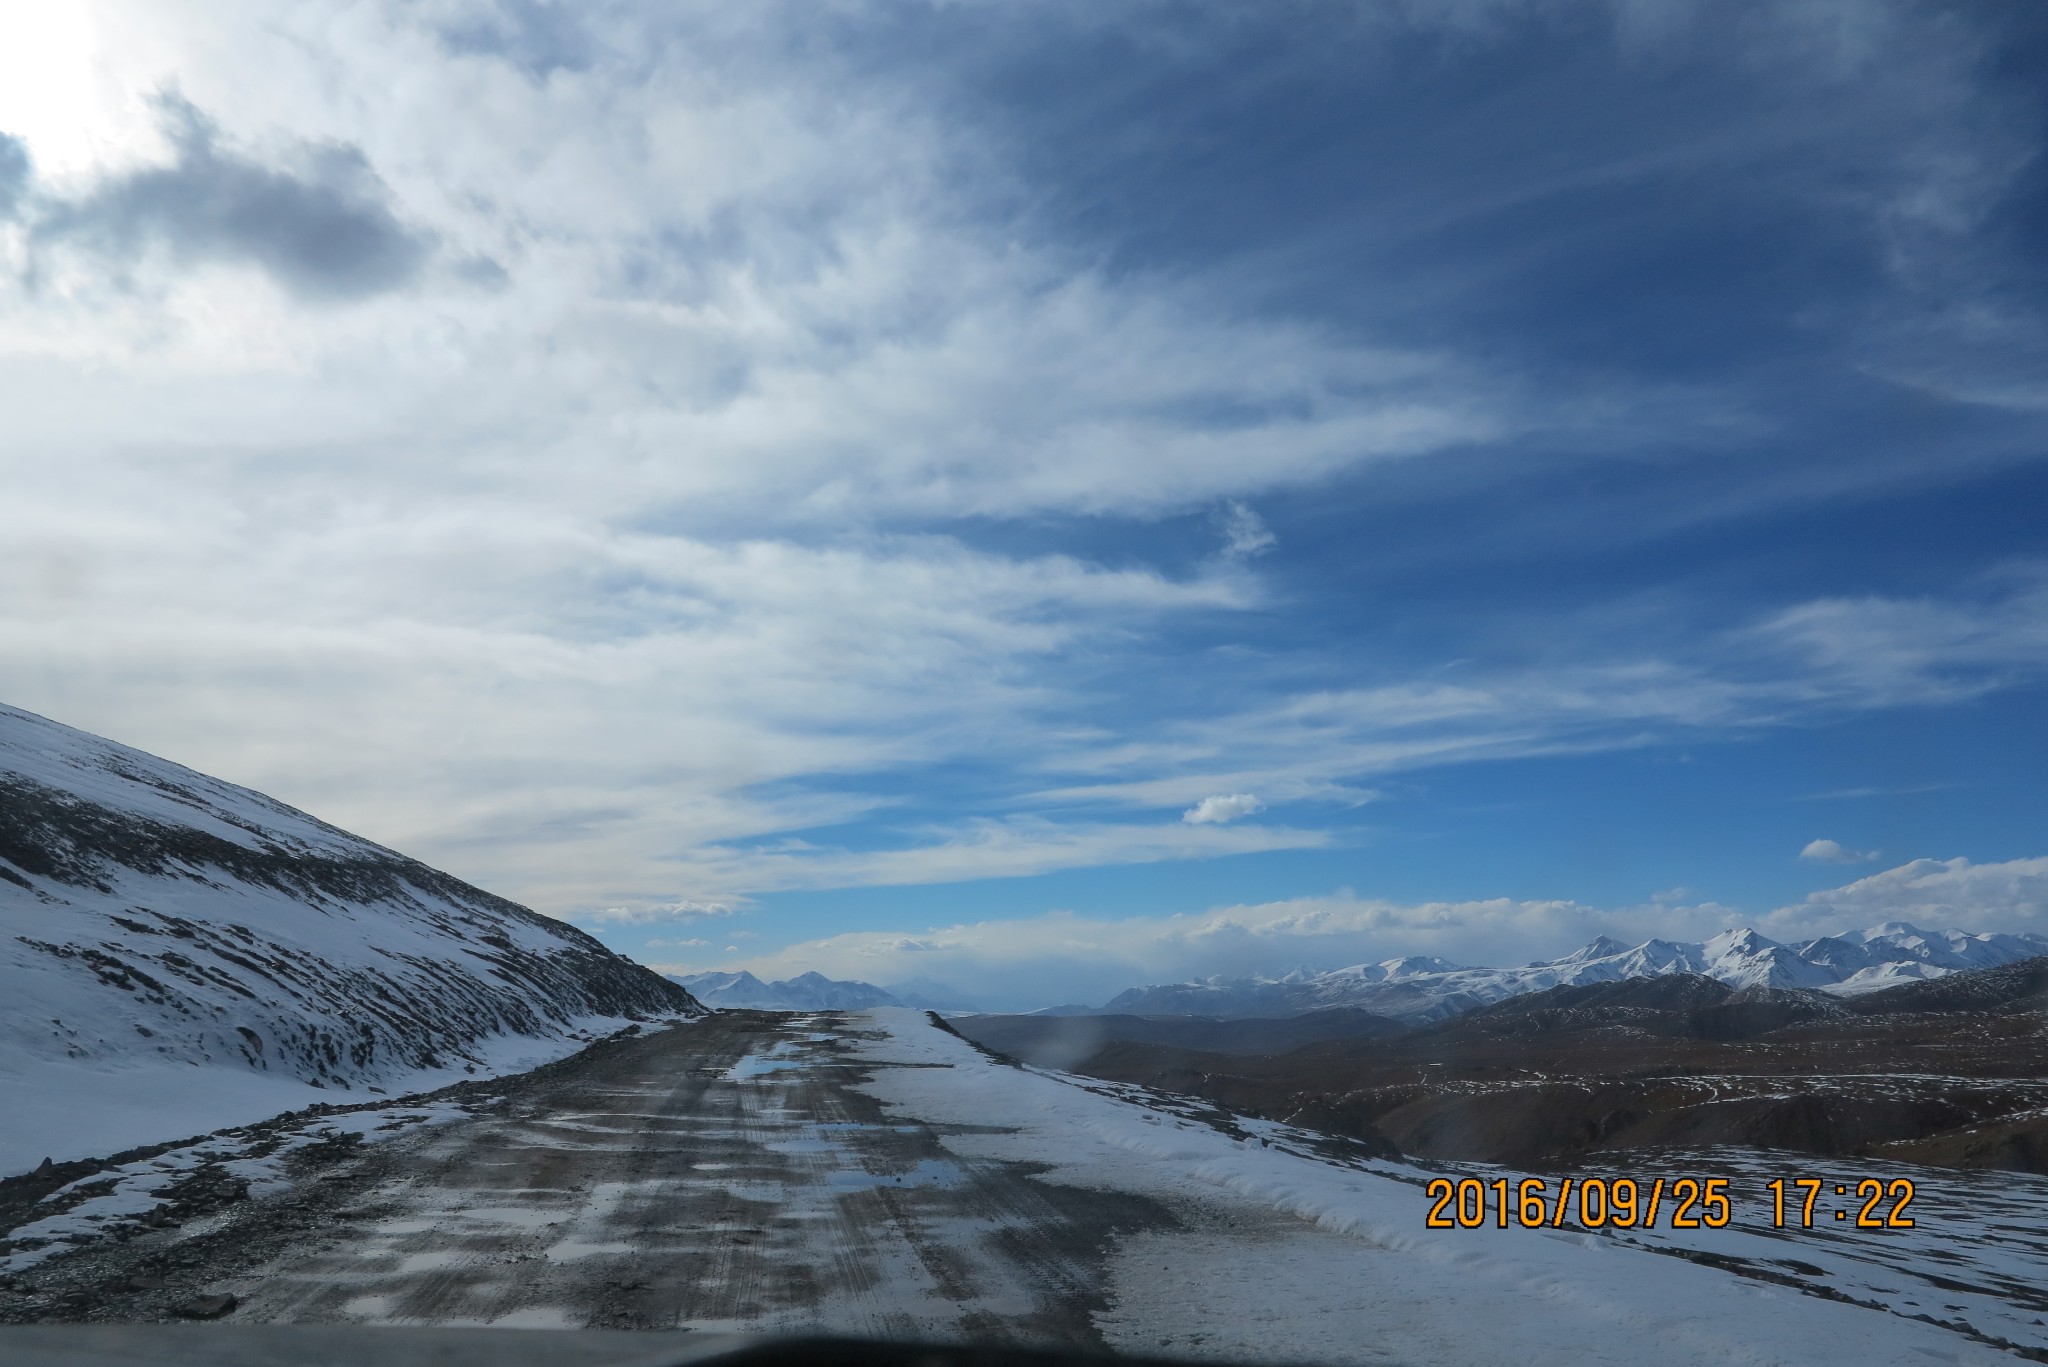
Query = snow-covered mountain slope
x=1420 y=989
x=178 y=953
x=805 y=992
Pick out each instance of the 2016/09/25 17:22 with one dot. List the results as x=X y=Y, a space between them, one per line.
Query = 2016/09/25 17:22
x=1623 y=1203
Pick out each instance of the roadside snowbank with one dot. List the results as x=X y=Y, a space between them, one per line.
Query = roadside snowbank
x=1287 y=1255
x=66 y=1109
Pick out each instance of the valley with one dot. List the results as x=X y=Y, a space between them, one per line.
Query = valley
x=1950 y=1071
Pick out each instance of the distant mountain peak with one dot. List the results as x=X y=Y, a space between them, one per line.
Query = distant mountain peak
x=1601 y=947
x=1893 y=930
x=1422 y=987
x=1741 y=940
x=809 y=991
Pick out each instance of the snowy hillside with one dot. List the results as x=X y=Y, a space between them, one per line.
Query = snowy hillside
x=1420 y=988
x=178 y=953
x=805 y=992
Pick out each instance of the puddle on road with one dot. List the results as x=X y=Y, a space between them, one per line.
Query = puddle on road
x=533 y=1317
x=518 y=1217
x=597 y=1127
x=767 y=1193
x=438 y=1261
x=778 y=1059
x=931 y=1172
x=837 y=1138
x=761 y=1065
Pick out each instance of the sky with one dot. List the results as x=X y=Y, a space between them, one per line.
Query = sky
x=1043 y=498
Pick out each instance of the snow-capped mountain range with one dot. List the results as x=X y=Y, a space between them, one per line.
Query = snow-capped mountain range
x=805 y=992
x=179 y=953
x=816 y=992
x=1421 y=988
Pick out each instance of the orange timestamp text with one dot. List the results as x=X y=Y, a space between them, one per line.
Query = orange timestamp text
x=1626 y=1203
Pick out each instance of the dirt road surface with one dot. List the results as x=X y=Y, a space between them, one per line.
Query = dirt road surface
x=869 y=1174
x=719 y=1175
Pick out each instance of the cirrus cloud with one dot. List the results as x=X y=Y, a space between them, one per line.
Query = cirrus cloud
x=803 y=450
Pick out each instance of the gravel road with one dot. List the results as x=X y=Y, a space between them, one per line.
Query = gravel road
x=721 y=1174
x=868 y=1174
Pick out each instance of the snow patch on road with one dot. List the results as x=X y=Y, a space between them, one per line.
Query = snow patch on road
x=126 y=1197
x=71 y=1108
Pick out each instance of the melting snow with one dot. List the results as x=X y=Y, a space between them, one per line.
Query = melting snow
x=1290 y=1254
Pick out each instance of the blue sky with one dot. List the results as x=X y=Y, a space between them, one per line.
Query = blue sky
x=1010 y=493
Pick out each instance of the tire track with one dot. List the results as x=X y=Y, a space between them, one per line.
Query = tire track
x=723 y=1174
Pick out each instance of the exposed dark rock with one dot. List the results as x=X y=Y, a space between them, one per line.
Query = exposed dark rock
x=2013 y=987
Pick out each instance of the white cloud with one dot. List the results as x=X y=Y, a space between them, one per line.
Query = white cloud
x=728 y=290
x=1015 y=847
x=1934 y=894
x=657 y=913
x=1850 y=794
x=1889 y=651
x=564 y=581
x=589 y=582
x=544 y=750
x=1245 y=533
x=1829 y=852
x=1222 y=807
x=1793 y=666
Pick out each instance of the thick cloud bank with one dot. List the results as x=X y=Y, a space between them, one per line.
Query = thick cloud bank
x=323 y=230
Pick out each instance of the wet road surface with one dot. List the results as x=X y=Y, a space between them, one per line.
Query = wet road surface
x=867 y=1174
x=721 y=1174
